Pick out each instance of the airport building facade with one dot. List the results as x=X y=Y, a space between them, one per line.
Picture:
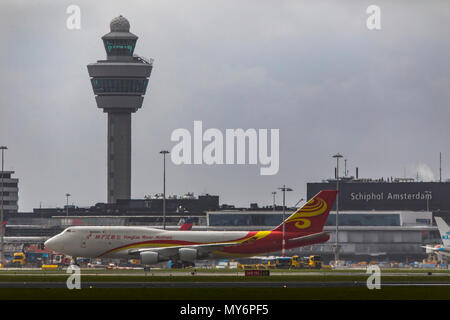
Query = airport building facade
x=415 y=203
x=389 y=194
x=9 y=187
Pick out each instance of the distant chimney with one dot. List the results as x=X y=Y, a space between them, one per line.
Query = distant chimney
x=356 y=172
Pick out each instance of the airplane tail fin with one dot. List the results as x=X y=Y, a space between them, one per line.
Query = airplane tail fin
x=312 y=216
x=186 y=226
x=444 y=230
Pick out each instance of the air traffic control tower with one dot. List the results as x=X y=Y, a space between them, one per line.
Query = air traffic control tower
x=119 y=84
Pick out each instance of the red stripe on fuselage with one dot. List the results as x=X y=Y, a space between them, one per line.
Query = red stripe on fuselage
x=169 y=243
x=269 y=243
x=272 y=243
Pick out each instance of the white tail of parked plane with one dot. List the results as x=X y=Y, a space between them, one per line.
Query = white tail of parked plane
x=444 y=230
x=442 y=250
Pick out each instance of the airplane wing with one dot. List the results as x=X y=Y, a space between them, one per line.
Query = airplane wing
x=430 y=248
x=173 y=251
x=439 y=249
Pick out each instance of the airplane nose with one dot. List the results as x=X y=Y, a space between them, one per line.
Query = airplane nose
x=48 y=244
x=52 y=244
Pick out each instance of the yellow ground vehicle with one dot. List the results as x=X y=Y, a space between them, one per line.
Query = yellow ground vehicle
x=297 y=263
x=258 y=266
x=294 y=262
x=311 y=262
x=315 y=262
x=282 y=263
x=19 y=258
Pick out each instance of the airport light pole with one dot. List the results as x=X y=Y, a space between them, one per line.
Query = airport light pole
x=283 y=242
x=273 y=194
x=164 y=152
x=336 y=249
x=67 y=204
x=2 y=255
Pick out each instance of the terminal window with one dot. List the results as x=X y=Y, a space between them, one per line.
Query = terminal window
x=364 y=220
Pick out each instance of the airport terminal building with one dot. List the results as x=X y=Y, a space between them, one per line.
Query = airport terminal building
x=388 y=194
x=382 y=219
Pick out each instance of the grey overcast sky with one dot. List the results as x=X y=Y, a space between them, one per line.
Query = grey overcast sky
x=310 y=68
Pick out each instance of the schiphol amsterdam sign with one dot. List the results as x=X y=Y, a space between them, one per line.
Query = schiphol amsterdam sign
x=381 y=196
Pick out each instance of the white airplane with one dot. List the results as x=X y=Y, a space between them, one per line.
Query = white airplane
x=442 y=250
x=151 y=245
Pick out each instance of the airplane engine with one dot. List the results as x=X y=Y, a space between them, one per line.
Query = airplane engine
x=149 y=257
x=188 y=254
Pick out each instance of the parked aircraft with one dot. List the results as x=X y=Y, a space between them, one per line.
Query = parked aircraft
x=442 y=250
x=150 y=245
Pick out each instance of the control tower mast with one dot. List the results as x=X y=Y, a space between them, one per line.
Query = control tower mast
x=119 y=85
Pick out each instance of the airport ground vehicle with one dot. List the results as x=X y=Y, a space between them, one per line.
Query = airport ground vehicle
x=180 y=264
x=34 y=256
x=257 y=266
x=59 y=259
x=283 y=263
x=294 y=262
x=19 y=259
x=311 y=262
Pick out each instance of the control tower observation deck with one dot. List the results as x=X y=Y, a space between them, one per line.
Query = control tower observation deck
x=119 y=85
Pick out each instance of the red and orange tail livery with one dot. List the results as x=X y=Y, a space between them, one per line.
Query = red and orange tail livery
x=312 y=216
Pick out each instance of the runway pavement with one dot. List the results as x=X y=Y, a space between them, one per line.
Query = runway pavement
x=217 y=274
x=272 y=284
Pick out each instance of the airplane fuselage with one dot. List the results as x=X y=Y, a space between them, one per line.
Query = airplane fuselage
x=303 y=227
x=117 y=242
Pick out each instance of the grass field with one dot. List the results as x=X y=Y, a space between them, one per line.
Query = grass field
x=337 y=291
x=219 y=278
x=348 y=293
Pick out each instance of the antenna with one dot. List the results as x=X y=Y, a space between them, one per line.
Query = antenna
x=440 y=166
x=345 y=168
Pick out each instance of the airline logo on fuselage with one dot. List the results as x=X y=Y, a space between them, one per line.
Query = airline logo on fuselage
x=127 y=237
